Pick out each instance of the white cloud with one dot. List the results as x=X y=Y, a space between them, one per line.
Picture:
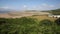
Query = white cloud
x=24 y=6
x=7 y=7
x=43 y=6
x=46 y=6
x=4 y=7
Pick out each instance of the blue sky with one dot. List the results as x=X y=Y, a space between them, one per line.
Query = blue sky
x=30 y=4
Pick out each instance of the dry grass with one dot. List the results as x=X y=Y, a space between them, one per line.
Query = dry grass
x=42 y=17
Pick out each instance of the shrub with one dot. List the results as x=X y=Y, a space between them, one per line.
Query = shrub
x=46 y=22
x=2 y=21
x=46 y=26
x=57 y=21
x=22 y=25
x=27 y=25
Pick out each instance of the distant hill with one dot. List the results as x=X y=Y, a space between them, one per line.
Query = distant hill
x=4 y=11
x=55 y=12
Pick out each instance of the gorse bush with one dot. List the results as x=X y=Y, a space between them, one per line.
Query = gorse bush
x=26 y=25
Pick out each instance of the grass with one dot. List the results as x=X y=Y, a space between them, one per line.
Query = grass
x=42 y=17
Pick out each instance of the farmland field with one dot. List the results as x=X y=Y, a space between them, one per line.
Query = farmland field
x=42 y=17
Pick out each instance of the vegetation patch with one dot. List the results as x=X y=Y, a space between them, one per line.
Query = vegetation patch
x=29 y=25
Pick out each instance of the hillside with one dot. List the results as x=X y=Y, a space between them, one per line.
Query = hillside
x=55 y=12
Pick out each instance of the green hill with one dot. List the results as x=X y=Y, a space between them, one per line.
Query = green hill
x=55 y=12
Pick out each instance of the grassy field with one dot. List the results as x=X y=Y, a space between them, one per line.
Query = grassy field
x=29 y=25
x=42 y=17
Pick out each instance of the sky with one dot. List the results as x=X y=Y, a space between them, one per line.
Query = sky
x=29 y=4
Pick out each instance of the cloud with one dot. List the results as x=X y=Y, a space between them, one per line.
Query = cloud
x=6 y=7
x=25 y=6
x=43 y=6
x=47 y=5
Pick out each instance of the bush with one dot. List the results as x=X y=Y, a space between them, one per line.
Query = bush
x=2 y=21
x=46 y=26
x=46 y=22
x=27 y=25
x=57 y=21
x=22 y=25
